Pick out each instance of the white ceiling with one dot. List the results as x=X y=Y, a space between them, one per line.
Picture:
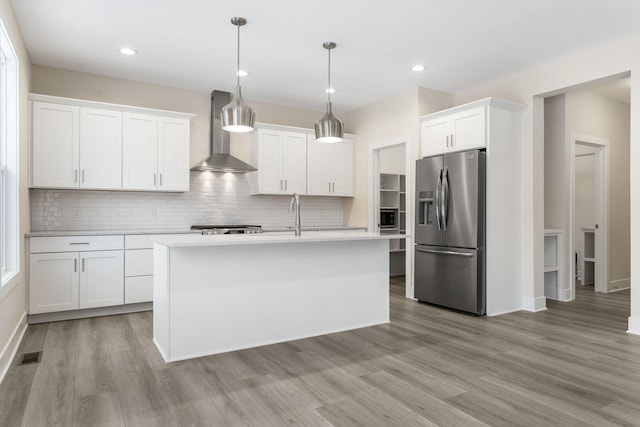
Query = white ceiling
x=191 y=44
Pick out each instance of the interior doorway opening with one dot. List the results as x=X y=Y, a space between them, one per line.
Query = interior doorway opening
x=390 y=205
x=589 y=221
x=587 y=238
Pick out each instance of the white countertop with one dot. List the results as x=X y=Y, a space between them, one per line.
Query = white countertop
x=197 y=232
x=105 y=232
x=270 y=238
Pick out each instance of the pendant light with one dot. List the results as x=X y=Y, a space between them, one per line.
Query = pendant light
x=329 y=127
x=237 y=116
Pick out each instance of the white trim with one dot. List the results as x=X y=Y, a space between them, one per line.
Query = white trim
x=374 y=184
x=634 y=325
x=108 y=106
x=10 y=350
x=602 y=179
x=619 y=285
x=534 y=304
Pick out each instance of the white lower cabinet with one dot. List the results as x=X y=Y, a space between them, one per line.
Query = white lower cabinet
x=53 y=282
x=66 y=277
x=101 y=279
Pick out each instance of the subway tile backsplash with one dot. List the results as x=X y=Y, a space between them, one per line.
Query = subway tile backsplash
x=215 y=198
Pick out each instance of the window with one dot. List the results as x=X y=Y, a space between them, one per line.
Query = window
x=9 y=147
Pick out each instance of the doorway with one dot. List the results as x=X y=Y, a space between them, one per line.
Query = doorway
x=593 y=231
x=589 y=195
x=390 y=205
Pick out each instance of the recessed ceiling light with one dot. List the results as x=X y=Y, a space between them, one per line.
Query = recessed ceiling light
x=417 y=68
x=127 y=51
x=242 y=73
x=329 y=90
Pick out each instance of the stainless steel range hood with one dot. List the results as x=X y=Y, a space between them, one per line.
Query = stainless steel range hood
x=220 y=160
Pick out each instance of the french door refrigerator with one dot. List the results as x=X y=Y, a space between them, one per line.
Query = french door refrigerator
x=450 y=231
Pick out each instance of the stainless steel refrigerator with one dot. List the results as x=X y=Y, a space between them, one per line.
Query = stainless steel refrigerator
x=450 y=231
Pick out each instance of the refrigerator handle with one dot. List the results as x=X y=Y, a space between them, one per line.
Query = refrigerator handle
x=435 y=251
x=445 y=198
x=437 y=200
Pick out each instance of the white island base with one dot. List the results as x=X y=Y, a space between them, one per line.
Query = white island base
x=214 y=294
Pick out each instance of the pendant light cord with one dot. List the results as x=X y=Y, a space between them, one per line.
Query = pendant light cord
x=238 y=65
x=329 y=76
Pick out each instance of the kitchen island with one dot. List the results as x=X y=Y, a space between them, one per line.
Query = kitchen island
x=214 y=294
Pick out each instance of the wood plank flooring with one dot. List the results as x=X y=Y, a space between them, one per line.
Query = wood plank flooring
x=572 y=365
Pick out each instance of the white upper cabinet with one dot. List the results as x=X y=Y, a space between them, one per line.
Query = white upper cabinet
x=139 y=152
x=92 y=145
x=100 y=149
x=55 y=145
x=330 y=168
x=155 y=153
x=280 y=155
x=457 y=131
x=173 y=154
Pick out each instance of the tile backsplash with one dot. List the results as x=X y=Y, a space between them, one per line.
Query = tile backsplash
x=214 y=198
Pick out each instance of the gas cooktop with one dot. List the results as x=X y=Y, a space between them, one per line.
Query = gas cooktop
x=227 y=228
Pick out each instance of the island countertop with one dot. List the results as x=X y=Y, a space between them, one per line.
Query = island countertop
x=269 y=238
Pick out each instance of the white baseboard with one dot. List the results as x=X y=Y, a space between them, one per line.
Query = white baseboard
x=9 y=351
x=534 y=304
x=619 y=285
x=634 y=326
x=564 y=295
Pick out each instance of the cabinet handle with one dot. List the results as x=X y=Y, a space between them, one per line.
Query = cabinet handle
x=160 y=180
x=83 y=265
x=83 y=175
x=447 y=141
x=329 y=186
x=75 y=265
x=334 y=187
x=75 y=176
x=154 y=179
x=452 y=143
x=79 y=243
x=285 y=185
x=280 y=185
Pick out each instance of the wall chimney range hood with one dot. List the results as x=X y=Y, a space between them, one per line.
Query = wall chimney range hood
x=220 y=160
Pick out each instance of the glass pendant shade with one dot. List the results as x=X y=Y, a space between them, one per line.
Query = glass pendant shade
x=329 y=127
x=237 y=116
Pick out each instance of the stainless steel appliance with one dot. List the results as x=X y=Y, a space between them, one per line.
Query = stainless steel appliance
x=220 y=160
x=208 y=229
x=450 y=231
x=388 y=218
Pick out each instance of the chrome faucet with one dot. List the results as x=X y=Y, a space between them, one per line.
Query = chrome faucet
x=295 y=199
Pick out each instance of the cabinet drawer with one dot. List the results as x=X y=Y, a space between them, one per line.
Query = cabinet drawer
x=138 y=289
x=138 y=262
x=138 y=241
x=75 y=243
x=143 y=241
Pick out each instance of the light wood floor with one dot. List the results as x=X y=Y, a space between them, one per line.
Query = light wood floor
x=572 y=365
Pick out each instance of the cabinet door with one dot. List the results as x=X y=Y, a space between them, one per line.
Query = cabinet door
x=270 y=174
x=173 y=154
x=55 y=145
x=101 y=279
x=468 y=129
x=343 y=168
x=100 y=149
x=295 y=162
x=139 y=151
x=435 y=135
x=319 y=168
x=53 y=282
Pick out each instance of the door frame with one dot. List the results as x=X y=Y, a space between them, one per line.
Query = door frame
x=374 y=198
x=602 y=179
